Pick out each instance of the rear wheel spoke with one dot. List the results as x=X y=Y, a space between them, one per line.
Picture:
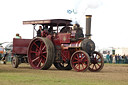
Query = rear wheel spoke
x=39 y=63
x=35 y=59
x=44 y=52
x=36 y=45
x=43 y=48
x=44 y=57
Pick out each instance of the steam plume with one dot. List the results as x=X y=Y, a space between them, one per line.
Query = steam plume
x=81 y=6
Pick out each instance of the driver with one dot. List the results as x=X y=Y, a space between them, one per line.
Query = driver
x=39 y=31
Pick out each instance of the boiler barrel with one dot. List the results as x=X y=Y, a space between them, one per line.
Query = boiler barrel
x=87 y=45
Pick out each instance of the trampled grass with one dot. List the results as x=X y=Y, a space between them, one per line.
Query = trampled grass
x=112 y=74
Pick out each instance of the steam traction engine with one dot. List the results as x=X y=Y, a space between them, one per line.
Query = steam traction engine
x=66 y=48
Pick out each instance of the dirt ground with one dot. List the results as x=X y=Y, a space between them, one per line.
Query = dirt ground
x=116 y=73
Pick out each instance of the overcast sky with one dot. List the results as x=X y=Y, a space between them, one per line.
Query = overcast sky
x=109 y=18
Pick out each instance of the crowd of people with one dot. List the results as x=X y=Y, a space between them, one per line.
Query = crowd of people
x=3 y=55
x=118 y=59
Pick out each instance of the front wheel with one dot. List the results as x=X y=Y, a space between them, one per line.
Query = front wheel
x=80 y=61
x=97 y=62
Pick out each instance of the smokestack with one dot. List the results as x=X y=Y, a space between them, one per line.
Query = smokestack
x=88 y=26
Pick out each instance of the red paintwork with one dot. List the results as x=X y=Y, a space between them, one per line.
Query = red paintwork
x=64 y=37
x=64 y=45
x=56 y=40
x=65 y=54
x=20 y=46
x=76 y=44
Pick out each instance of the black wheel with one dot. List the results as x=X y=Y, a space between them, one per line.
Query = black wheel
x=15 y=61
x=97 y=62
x=63 y=66
x=41 y=53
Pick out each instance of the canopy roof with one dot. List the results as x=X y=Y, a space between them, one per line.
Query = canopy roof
x=54 y=22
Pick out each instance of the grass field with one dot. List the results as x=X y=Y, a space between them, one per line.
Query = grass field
x=112 y=74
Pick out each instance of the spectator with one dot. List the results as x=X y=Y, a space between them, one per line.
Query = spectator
x=120 y=58
x=4 y=59
x=116 y=58
x=111 y=58
x=108 y=58
x=126 y=59
x=1 y=51
x=123 y=58
x=113 y=61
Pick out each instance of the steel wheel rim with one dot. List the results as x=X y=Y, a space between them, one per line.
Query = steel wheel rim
x=80 y=61
x=37 y=53
x=13 y=61
x=97 y=62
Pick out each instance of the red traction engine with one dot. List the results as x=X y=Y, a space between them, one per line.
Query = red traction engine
x=66 y=48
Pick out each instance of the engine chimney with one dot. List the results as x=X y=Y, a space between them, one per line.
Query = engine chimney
x=88 y=26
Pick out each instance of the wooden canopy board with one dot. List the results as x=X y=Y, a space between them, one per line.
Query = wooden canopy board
x=54 y=22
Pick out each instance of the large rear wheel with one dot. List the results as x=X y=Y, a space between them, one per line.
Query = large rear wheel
x=80 y=61
x=97 y=62
x=41 y=53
